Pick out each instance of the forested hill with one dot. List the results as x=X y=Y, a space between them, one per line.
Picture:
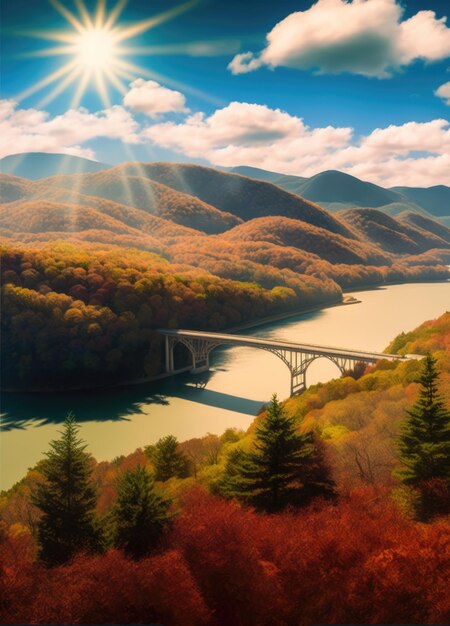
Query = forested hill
x=236 y=194
x=330 y=189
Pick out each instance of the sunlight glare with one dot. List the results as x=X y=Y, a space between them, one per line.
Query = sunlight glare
x=95 y=47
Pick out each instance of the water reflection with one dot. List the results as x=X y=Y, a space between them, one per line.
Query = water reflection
x=19 y=411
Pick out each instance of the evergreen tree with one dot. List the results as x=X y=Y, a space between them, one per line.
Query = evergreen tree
x=168 y=460
x=140 y=515
x=67 y=499
x=284 y=467
x=424 y=444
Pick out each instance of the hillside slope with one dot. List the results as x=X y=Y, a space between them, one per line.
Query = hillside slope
x=14 y=188
x=239 y=195
x=285 y=231
x=426 y=224
x=391 y=234
x=148 y=195
x=336 y=190
x=129 y=216
x=436 y=200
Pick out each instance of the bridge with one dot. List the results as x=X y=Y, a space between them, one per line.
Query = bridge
x=297 y=356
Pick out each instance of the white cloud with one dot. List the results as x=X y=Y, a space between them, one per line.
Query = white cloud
x=431 y=137
x=31 y=130
x=237 y=125
x=153 y=99
x=414 y=153
x=244 y=63
x=360 y=36
x=444 y=92
x=251 y=134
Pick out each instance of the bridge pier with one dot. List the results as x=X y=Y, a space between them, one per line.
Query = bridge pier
x=298 y=383
x=169 y=354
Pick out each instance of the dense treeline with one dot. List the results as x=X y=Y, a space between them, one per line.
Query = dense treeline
x=74 y=316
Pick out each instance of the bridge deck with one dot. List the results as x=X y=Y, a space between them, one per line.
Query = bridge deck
x=241 y=340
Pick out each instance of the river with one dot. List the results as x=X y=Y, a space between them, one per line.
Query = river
x=117 y=421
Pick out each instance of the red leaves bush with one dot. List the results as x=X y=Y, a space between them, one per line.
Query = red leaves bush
x=361 y=561
x=109 y=589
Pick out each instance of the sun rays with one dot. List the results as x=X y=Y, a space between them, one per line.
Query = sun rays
x=96 y=56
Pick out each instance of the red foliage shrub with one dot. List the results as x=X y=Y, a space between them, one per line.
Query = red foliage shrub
x=111 y=589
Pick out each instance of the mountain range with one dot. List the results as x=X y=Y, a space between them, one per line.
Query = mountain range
x=336 y=190
x=232 y=225
x=331 y=189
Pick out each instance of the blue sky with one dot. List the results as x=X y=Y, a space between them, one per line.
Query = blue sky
x=361 y=100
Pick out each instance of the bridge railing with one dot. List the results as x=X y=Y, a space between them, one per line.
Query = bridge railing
x=244 y=339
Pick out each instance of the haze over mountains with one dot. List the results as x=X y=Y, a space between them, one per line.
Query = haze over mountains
x=35 y=165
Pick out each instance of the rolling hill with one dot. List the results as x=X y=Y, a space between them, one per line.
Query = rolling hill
x=436 y=200
x=35 y=165
x=147 y=195
x=334 y=186
x=390 y=234
x=414 y=219
x=14 y=188
x=144 y=206
x=88 y=213
x=336 y=190
x=284 y=231
x=242 y=196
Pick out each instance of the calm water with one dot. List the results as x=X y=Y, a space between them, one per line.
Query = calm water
x=117 y=421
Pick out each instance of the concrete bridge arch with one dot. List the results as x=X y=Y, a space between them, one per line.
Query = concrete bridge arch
x=297 y=357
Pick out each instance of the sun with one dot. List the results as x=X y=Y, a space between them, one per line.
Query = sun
x=97 y=56
x=96 y=49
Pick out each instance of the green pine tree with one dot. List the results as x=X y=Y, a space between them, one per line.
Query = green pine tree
x=284 y=468
x=140 y=515
x=424 y=443
x=168 y=460
x=67 y=500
